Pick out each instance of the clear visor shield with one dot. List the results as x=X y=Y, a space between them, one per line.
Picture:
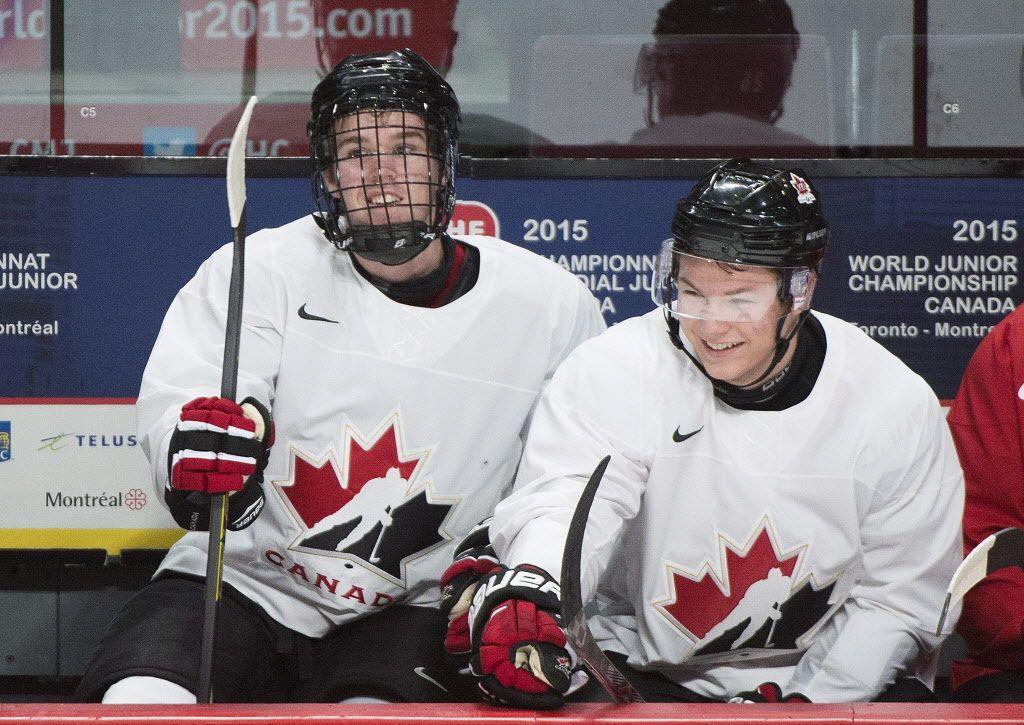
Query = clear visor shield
x=708 y=289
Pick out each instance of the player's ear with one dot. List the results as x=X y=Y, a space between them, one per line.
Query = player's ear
x=330 y=177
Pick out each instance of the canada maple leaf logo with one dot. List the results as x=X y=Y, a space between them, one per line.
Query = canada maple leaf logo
x=373 y=507
x=803 y=189
x=755 y=579
x=316 y=490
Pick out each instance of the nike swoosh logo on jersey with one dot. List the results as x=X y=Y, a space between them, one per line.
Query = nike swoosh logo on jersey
x=680 y=437
x=422 y=672
x=310 y=316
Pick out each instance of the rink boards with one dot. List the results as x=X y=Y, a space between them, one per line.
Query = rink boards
x=645 y=714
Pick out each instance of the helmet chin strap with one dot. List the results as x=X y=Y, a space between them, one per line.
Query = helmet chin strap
x=376 y=245
x=727 y=391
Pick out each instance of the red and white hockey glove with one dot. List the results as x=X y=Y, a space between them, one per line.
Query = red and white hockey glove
x=767 y=692
x=474 y=559
x=218 y=446
x=215 y=447
x=519 y=652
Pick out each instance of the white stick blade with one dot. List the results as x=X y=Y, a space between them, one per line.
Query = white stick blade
x=971 y=570
x=236 y=165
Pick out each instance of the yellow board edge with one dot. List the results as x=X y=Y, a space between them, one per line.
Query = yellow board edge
x=112 y=540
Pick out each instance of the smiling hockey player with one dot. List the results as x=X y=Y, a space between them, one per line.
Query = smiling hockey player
x=782 y=510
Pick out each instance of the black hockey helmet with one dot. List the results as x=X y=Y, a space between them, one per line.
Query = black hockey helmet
x=387 y=93
x=749 y=76
x=743 y=214
x=746 y=213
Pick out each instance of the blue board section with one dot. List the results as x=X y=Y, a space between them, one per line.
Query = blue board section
x=924 y=265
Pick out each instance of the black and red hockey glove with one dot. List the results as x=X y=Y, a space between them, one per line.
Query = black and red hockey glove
x=218 y=446
x=767 y=692
x=519 y=651
x=474 y=559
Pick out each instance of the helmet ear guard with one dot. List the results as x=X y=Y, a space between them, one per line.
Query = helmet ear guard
x=798 y=289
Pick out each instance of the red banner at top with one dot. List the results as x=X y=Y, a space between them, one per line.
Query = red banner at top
x=24 y=33
x=278 y=34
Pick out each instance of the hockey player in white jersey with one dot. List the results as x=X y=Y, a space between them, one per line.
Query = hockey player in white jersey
x=782 y=510
x=387 y=373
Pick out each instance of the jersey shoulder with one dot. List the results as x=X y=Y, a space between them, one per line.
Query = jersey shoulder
x=522 y=265
x=866 y=363
x=293 y=257
x=296 y=250
x=875 y=389
x=300 y=237
x=636 y=349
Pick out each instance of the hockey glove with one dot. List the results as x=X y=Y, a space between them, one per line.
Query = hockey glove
x=519 y=653
x=474 y=559
x=218 y=446
x=767 y=692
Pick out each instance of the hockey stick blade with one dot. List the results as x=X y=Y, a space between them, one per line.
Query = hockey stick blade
x=228 y=388
x=236 y=165
x=236 y=210
x=577 y=631
x=1000 y=550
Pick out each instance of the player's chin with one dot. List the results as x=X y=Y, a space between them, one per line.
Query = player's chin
x=728 y=372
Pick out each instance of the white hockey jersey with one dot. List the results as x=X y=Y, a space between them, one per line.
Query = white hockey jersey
x=810 y=546
x=397 y=428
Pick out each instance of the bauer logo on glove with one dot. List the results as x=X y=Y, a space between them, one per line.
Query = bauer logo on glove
x=519 y=579
x=520 y=657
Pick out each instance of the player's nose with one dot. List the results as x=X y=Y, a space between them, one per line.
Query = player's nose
x=384 y=166
x=709 y=329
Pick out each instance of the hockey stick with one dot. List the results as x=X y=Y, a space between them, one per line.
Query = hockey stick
x=1000 y=550
x=228 y=389
x=574 y=620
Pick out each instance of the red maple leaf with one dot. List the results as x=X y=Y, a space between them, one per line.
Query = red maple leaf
x=317 y=491
x=700 y=604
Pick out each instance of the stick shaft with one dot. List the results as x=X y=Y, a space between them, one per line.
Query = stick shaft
x=235 y=178
x=574 y=620
x=218 y=502
x=211 y=595
x=233 y=326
